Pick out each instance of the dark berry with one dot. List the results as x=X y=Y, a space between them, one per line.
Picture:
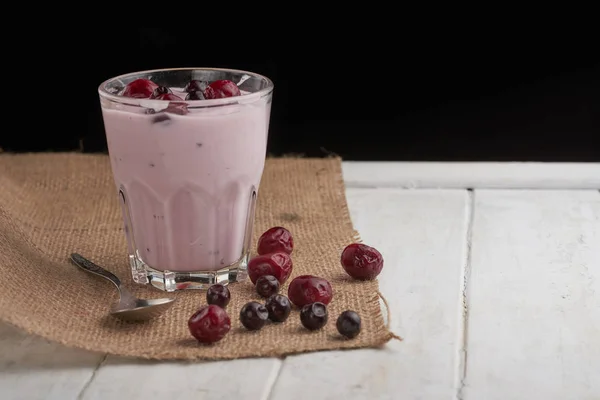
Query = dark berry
x=139 y=88
x=161 y=118
x=348 y=324
x=221 y=89
x=307 y=289
x=314 y=316
x=267 y=285
x=209 y=324
x=361 y=261
x=194 y=96
x=195 y=86
x=218 y=295
x=160 y=90
x=279 y=307
x=254 y=315
x=275 y=239
x=277 y=264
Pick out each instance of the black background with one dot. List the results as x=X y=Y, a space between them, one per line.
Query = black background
x=416 y=95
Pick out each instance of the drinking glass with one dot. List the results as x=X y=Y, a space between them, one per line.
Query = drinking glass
x=187 y=174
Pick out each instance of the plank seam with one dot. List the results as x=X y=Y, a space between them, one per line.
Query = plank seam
x=463 y=334
x=89 y=382
x=271 y=391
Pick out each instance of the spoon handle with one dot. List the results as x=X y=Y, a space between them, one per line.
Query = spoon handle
x=89 y=266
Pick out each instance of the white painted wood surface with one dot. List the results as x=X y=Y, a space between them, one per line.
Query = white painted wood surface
x=120 y=378
x=31 y=368
x=421 y=234
x=534 y=296
x=496 y=292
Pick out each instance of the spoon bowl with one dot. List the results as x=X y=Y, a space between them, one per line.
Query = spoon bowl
x=129 y=307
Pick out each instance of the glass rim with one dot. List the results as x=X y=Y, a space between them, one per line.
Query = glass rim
x=133 y=101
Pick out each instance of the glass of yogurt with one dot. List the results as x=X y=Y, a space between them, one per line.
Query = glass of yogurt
x=187 y=150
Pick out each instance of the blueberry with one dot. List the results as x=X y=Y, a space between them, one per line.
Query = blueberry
x=218 y=295
x=314 y=316
x=267 y=285
x=253 y=316
x=279 y=307
x=348 y=324
x=195 y=96
x=195 y=86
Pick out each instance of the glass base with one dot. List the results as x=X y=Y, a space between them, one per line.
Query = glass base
x=171 y=281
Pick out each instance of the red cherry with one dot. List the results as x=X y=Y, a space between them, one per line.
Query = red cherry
x=307 y=289
x=275 y=239
x=277 y=264
x=209 y=324
x=362 y=262
x=221 y=89
x=140 y=88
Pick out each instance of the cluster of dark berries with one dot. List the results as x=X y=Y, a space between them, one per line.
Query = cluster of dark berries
x=268 y=271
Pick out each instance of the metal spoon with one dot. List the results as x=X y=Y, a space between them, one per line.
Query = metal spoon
x=129 y=307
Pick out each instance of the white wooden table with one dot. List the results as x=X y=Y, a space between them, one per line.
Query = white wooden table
x=492 y=273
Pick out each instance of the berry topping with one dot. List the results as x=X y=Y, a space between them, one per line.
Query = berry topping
x=194 y=96
x=140 y=88
x=277 y=264
x=175 y=107
x=168 y=96
x=254 y=315
x=218 y=295
x=279 y=307
x=361 y=261
x=267 y=285
x=221 y=89
x=160 y=90
x=195 y=86
x=348 y=324
x=306 y=289
x=314 y=316
x=209 y=324
x=275 y=239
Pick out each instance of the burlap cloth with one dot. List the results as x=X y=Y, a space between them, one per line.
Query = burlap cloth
x=55 y=204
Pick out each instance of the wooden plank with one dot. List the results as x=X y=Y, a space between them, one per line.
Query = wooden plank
x=32 y=368
x=465 y=175
x=421 y=235
x=534 y=296
x=120 y=378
